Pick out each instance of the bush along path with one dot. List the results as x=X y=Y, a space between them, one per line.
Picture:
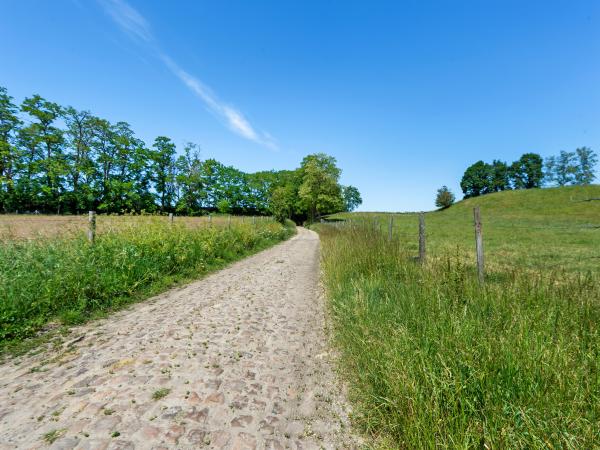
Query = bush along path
x=238 y=360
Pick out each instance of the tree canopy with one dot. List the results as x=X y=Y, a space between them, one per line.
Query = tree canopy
x=530 y=171
x=56 y=159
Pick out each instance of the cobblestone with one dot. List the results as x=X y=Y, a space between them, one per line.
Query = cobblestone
x=237 y=360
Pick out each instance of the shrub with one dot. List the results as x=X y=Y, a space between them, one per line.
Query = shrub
x=444 y=197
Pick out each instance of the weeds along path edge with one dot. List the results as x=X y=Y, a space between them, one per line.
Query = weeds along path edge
x=237 y=360
x=435 y=359
x=46 y=285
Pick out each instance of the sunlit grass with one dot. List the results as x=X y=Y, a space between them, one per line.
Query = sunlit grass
x=436 y=360
x=68 y=279
x=537 y=229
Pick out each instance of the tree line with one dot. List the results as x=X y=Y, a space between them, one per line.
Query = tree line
x=56 y=159
x=530 y=171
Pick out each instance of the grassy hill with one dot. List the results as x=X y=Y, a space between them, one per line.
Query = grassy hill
x=435 y=359
x=550 y=229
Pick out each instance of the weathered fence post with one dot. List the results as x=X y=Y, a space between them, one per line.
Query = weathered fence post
x=92 y=227
x=479 y=244
x=254 y=220
x=170 y=218
x=210 y=220
x=391 y=228
x=229 y=221
x=422 y=238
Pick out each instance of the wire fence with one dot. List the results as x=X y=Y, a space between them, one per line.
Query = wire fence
x=532 y=243
x=35 y=226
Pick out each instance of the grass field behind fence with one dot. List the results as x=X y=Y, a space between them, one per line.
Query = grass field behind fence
x=33 y=226
x=435 y=360
x=537 y=229
x=63 y=277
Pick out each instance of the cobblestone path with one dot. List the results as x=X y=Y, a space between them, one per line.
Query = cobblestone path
x=237 y=360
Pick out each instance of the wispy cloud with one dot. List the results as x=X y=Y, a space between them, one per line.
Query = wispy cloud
x=128 y=19
x=137 y=27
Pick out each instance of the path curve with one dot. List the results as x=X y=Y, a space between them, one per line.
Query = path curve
x=240 y=359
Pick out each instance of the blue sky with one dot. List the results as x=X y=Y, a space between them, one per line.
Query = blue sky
x=405 y=94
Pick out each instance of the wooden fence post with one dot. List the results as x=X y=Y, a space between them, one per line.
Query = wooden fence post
x=210 y=220
x=479 y=244
x=229 y=221
x=254 y=220
x=92 y=227
x=391 y=228
x=422 y=238
x=170 y=218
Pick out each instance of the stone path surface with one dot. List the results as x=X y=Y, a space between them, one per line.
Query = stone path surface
x=237 y=360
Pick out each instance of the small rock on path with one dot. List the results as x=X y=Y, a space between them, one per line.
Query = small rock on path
x=237 y=360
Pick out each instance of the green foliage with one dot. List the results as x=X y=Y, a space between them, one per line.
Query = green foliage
x=444 y=197
x=160 y=393
x=587 y=160
x=527 y=172
x=352 y=198
x=281 y=204
x=163 y=171
x=477 y=180
x=483 y=178
x=575 y=168
x=190 y=181
x=53 y=435
x=41 y=280
x=500 y=176
x=223 y=206
x=530 y=171
x=320 y=193
x=9 y=126
x=92 y=164
x=561 y=169
x=433 y=359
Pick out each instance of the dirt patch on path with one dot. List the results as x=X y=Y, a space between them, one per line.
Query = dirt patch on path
x=238 y=360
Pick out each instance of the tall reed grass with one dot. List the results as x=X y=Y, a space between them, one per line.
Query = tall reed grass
x=68 y=279
x=435 y=360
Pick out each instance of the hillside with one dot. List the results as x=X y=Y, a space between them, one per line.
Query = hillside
x=550 y=229
x=435 y=359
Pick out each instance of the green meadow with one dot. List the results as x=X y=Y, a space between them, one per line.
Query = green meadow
x=66 y=279
x=434 y=359
x=534 y=229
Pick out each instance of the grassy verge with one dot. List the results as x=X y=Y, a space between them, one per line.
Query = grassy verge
x=436 y=361
x=71 y=280
x=533 y=229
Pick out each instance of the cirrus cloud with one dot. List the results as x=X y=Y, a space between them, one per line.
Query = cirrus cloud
x=135 y=25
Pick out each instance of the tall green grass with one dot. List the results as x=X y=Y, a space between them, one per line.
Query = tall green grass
x=434 y=360
x=68 y=279
x=534 y=229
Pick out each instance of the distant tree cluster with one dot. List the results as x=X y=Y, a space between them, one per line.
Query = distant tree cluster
x=56 y=159
x=571 y=168
x=530 y=171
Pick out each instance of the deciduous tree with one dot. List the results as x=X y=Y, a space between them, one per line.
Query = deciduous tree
x=352 y=198
x=477 y=180
x=586 y=165
x=444 y=197
x=527 y=171
x=320 y=192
